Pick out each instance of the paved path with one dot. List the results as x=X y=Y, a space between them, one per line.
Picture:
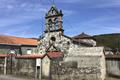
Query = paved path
x=9 y=77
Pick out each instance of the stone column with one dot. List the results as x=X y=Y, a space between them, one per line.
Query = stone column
x=5 y=65
x=40 y=75
x=36 y=71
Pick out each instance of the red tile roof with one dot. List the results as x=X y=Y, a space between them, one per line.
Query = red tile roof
x=17 y=40
x=54 y=54
x=29 y=56
x=51 y=54
x=3 y=55
x=82 y=36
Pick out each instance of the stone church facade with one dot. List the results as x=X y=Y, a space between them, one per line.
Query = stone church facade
x=65 y=58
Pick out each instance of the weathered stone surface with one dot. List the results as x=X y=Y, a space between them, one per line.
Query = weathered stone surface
x=88 y=60
x=88 y=57
x=25 y=67
x=60 y=43
x=2 y=65
x=65 y=72
x=113 y=67
x=45 y=66
x=79 y=62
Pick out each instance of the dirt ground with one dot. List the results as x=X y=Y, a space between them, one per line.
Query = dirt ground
x=9 y=77
x=111 y=78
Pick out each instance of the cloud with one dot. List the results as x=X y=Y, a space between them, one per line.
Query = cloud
x=17 y=16
x=16 y=12
x=93 y=3
x=18 y=19
x=68 y=12
x=20 y=5
x=98 y=25
x=108 y=4
x=29 y=29
x=71 y=1
x=15 y=30
x=7 y=4
x=112 y=29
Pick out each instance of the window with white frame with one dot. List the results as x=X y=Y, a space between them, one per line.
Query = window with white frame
x=12 y=51
x=29 y=51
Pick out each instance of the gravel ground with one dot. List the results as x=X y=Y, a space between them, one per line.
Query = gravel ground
x=9 y=77
x=110 y=78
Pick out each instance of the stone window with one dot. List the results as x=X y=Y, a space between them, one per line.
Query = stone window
x=56 y=23
x=50 y=24
x=12 y=51
x=53 y=38
x=68 y=43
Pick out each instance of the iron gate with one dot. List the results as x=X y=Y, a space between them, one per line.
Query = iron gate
x=2 y=65
x=11 y=64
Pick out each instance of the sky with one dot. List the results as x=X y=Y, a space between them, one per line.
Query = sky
x=26 y=18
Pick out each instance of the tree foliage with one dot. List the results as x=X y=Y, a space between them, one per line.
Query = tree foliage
x=109 y=40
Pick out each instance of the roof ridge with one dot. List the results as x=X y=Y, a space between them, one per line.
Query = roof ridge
x=82 y=35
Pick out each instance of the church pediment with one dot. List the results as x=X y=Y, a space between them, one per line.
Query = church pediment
x=53 y=11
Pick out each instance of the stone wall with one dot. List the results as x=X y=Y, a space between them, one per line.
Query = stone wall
x=113 y=67
x=96 y=54
x=11 y=65
x=18 y=67
x=21 y=67
x=70 y=71
x=2 y=65
x=85 y=64
x=45 y=67
x=62 y=43
x=26 y=67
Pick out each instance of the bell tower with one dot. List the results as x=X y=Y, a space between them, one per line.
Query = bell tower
x=54 y=20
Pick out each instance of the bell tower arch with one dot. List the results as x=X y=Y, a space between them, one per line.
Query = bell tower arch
x=54 y=20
